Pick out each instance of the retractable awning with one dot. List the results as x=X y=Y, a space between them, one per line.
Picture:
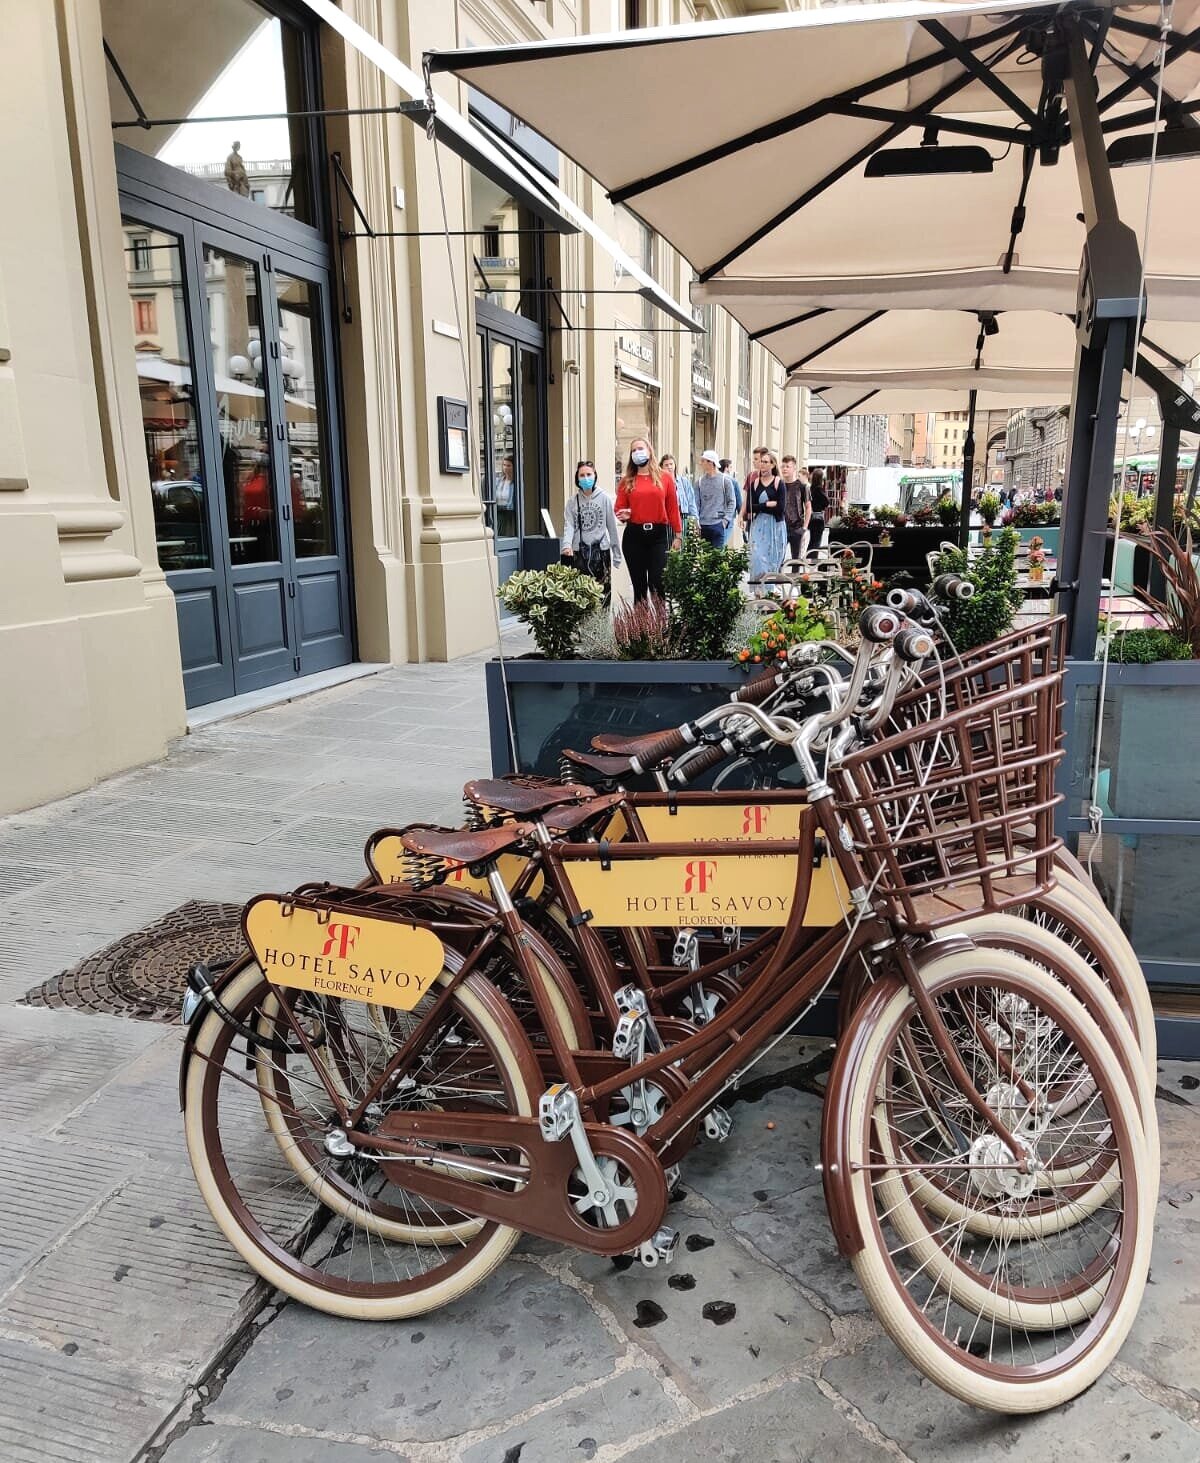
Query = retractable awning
x=490 y=156
x=770 y=196
x=883 y=392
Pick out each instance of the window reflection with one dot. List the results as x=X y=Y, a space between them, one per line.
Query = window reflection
x=505 y=489
x=235 y=328
x=185 y=62
x=312 y=514
x=507 y=264
x=154 y=274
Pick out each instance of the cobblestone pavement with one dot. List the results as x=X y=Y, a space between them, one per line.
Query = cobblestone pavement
x=129 y=1330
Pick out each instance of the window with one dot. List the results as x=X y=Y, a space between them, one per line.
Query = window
x=637 y=345
x=141 y=254
x=508 y=264
x=634 y=13
x=239 y=61
x=145 y=317
x=743 y=367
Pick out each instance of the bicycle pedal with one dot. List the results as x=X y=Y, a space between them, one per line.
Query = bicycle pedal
x=629 y=1036
x=686 y=953
x=631 y=998
x=659 y=1249
x=717 y=1124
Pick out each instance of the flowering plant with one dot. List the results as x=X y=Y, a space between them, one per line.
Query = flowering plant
x=793 y=622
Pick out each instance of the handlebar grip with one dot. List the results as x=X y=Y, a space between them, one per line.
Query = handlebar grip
x=879 y=624
x=904 y=600
x=706 y=757
x=913 y=644
x=657 y=748
x=758 y=689
x=953 y=586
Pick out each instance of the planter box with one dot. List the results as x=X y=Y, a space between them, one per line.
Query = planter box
x=906 y=552
x=1050 y=536
x=1149 y=793
x=565 y=703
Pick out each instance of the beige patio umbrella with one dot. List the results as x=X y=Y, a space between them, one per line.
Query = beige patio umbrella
x=775 y=195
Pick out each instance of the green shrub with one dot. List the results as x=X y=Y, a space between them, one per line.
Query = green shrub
x=947 y=510
x=704 y=596
x=989 y=507
x=994 y=574
x=888 y=514
x=553 y=602
x=1144 y=647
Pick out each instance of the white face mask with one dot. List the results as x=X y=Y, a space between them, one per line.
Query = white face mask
x=640 y=458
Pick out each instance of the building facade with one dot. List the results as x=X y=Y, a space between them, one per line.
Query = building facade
x=851 y=442
x=291 y=391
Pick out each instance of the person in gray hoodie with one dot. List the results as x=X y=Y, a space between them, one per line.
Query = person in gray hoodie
x=590 y=541
x=716 y=500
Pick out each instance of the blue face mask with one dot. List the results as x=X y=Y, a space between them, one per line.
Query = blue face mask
x=586 y=484
x=640 y=458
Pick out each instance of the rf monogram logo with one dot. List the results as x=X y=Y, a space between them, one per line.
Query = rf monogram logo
x=343 y=937
x=754 y=819
x=700 y=873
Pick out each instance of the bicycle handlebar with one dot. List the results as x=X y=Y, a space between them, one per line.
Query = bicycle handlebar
x=758 y=689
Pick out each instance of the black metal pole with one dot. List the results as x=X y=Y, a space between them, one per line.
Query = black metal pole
x=964 y=520
x=1164 y=501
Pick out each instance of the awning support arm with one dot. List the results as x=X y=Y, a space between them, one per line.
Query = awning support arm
x=813 y=113
x=1018 y=213
x=854 y=405
x=127 y=88
x=888 y=135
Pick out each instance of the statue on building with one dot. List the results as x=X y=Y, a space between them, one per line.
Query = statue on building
x=236 y=177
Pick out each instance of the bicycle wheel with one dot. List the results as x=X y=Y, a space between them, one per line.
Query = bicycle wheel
x=1079 y=919
x=1001 y=1355
x=337 y=1232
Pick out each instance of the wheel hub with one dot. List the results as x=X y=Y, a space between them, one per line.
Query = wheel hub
x=994 y=1173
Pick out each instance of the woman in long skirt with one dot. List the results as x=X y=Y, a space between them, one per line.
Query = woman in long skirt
x=763 y=515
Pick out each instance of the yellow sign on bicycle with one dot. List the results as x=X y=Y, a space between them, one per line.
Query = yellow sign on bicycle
x=744 y=890
x=349 y=955
x=741 y=822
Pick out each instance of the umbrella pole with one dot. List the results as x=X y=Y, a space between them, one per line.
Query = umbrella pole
x=964 y=522
x=1164 y=502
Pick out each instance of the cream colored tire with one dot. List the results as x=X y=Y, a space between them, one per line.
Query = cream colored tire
x=954 y=1370
x=439 y=1293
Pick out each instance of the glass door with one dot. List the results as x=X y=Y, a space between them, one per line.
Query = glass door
x=499 y=449
x=233 y=348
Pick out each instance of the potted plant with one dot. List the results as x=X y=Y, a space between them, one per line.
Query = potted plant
x=855 y=518
x=989 y=511
x=553 y=602
x=651 y=666
x=1037 y=560
x=793 y=622
x=888 y=516
x=946 y=511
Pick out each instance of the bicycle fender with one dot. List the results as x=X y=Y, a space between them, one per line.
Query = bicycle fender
x=835 y=1116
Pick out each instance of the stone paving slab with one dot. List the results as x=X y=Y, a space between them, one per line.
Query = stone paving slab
x=46 y=1187
x=1110 y=1423
x=579 y=1427
x=793 y=1231
x=57 y=1408
x=519 y=1340
x=793 y=1423
x=219 y=1444
x=758 y=1162
x=51 y=1061
x=149 y=1276
x=719 y=1319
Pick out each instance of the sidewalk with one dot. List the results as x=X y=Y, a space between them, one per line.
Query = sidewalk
x=130 y=1331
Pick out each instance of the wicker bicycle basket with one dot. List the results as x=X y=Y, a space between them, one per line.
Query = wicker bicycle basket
x=955 y=814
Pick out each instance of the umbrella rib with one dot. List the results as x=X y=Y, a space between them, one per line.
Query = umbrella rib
x=950 y=89
x=837 y=416
x=1143 y=76
x=795 y=120
x=837 y=339
x=786 y=324
x=982 y=73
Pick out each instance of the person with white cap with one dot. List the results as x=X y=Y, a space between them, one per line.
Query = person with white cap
x=715 y=500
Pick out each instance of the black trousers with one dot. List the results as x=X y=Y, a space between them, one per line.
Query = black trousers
x=816 y=530
x=645 y=551
x=591 y=559
x=795 y=539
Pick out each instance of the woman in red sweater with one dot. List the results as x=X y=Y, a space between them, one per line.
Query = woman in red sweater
x=649 y=509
